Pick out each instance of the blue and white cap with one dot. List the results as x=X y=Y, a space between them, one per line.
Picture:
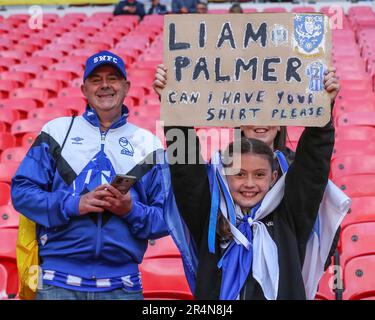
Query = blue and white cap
x=101 y=58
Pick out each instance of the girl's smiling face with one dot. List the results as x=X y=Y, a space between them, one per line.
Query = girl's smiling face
x=253 y=180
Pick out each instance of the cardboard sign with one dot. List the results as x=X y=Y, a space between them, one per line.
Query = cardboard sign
x=241 y=69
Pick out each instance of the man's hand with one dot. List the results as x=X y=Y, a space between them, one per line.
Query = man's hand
x=160 y=80
x=184 y=10
x=93 y=201
x=331 y=83
x=117 y=203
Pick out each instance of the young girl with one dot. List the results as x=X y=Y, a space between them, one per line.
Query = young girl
x=250 y=232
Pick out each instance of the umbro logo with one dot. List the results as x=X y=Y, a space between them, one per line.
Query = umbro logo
x=77 y=140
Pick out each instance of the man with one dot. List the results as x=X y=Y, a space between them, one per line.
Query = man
x=184 y=6
x=91 y=237
x=157 y=8
x=131 y=7
x=202 y=7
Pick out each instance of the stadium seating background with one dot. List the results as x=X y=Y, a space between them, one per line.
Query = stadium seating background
x=40 y=78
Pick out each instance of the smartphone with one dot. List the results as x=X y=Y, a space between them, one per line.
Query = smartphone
x=123 y=182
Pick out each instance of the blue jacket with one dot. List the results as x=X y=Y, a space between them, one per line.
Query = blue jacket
x=49 y=182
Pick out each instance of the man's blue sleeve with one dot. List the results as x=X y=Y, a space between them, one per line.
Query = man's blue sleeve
x=146 y=219
x=30 y=190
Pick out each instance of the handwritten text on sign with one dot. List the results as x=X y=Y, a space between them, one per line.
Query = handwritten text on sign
x=230 y=70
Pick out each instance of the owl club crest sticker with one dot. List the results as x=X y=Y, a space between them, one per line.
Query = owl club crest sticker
x=315 y=74
x=308 y=33
x=127 y=148
x=279 y=35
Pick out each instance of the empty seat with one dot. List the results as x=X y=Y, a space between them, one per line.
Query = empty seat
x=28 y=139
x=9 y=217
x=162 y=248
x=326 y=285
x=359 y=278
x=356 y=185
x=44 y=62
x=64 y=76
x=33 y=70
x=355 y=133
x=353 y=147
x=76 y=69
x=7 y=171
x=164 y=279
x=8 y=241
x=76 y=104
x=357 y=240
x=20 y=77
x=357 y=118
x=4 y=193
x=14 y=154
x=20 y=127
x=352 y=165
x=6 y=86
x=361 y=210
x=71 y=92
x=22 y=105
x=51 y=85
x=3 y=282
x=39 y=95
x=48 y=114
x=7 y=140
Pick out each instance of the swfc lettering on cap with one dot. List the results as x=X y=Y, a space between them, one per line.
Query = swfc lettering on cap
x=102 y=58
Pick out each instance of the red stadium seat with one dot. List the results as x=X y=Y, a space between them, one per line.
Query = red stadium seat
x=54 y=54
x=14 y=54
x=4 y=193
x=6 y=63
x=6 y=86
x=357 y=240
x=355 y=133
x=44 y=62
x=356 y=185
x=14 y=154
x=51 y=85
x=361 y=210
x=20 y=77
x=81 y=60
x=6 y=141
x=150 y=100
x=64 y=76
x=164 y=279
x=71 y=92
x=9 y=217
x=76 y=69
x=359 y=278
x=162 y=248
x=123 y=21
x=22 y=105
x=8 y=241
x=358 y=118
x=7 y=171
x=326 y=285
x=352 y=165
x=39 y=95
x=353 y=147
x=23 y=126
x=76 y=104
x=3 y=282
x=28 y=139
x=48 y=114
x=33 y=70
x=61 y=49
